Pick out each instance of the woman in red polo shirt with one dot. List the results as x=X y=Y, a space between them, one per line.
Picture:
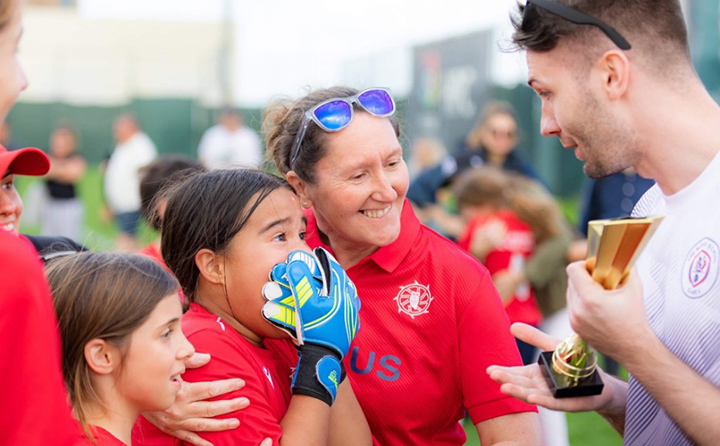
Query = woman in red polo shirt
x=432 y=320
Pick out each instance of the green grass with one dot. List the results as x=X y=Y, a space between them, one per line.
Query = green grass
x=585 y=429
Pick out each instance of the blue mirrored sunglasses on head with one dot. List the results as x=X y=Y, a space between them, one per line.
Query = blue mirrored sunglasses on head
x=335 y=114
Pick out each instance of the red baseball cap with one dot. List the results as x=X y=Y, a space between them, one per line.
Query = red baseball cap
x=27 y=161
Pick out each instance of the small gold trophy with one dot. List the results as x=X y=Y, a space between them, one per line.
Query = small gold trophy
x=613 y=248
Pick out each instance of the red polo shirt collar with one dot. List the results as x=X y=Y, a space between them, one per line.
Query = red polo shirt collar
x=386 y=257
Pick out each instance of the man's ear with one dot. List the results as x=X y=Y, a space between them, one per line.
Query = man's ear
x=615 y=69
x=300 y=187
x=210 y=266
x=101 y=357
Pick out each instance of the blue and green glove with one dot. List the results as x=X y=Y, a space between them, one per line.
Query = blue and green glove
x=312 y=298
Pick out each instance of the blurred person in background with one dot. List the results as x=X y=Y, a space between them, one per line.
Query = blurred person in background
x=493 y=142
x=496 y=236
x=62 y=213
x=425 y=152
x=134 y=150
x=230 y=143
x=155 y=178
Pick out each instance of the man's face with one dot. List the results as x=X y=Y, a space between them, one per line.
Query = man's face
x=576 y=110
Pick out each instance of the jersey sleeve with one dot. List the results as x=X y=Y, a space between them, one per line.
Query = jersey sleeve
x=485 y=340
x=31 y=358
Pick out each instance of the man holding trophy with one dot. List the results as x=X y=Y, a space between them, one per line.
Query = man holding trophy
x=617 y=86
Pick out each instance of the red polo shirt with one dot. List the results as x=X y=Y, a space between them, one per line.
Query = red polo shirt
x=267 y=373
x=34 y=407
x=432 y=323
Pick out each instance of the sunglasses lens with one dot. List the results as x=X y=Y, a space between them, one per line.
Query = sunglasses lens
x=377 y=102
x=334 y=115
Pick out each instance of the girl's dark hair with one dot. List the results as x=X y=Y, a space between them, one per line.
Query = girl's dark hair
x=105 y=296
x=281 y=124
x=159 y=175
x=205 y=212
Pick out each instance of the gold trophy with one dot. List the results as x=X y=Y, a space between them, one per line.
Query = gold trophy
x=613 y=248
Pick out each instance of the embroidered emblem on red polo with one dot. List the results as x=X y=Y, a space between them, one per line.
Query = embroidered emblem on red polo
x=414 y=299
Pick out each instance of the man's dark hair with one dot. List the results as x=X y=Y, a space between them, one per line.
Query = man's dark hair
x=654 y=26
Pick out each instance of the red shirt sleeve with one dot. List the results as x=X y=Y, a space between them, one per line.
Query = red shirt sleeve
x=485 y=340
x=34 y=407
x=257 y=422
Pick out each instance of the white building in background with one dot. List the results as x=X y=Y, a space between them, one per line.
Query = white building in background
x=78 y=58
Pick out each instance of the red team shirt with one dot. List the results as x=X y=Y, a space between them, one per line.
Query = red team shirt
x=432 y=323
x=34 y=408
x=102 y=438
x=267 y=373
x=517 y=246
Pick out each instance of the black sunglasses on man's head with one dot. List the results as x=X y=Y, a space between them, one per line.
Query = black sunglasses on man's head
x=571 y=15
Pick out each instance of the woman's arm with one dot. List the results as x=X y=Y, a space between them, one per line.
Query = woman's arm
x=511 y=430
x=67 y=171
x=348 y=426
x=306 y=422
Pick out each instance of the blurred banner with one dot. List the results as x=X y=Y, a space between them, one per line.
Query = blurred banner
x=450 y=86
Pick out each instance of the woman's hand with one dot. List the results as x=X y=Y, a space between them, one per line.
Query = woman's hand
x=528 y=384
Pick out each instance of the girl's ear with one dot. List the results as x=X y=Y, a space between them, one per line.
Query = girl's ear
x=101 y=357
x=210 y=266
x=300 y=188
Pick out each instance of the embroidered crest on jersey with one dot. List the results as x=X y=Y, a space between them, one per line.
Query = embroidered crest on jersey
x=414 y=299
x=700 y=270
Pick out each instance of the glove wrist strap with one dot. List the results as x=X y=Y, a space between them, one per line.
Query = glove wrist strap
x=319 y=373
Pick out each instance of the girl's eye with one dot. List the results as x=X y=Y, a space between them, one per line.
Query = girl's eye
x=280 y=237
x=8 y=185
x=302 y=235
x=166 y=334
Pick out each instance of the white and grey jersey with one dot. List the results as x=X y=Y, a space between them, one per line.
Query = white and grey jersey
x=679 y=271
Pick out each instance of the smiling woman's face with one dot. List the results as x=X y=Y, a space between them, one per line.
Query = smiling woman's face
x=360 y=186
x=10 y=204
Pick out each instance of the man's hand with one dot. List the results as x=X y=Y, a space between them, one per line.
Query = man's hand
x=612 y=321
x=191 y=413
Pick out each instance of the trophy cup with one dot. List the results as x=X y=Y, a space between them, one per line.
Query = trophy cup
x=613 y=248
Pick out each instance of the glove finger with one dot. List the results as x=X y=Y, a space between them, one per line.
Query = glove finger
x=302 y=285
x=281 y=317
x=325 y=262
x=277 y=273
x=279 y=293
x=308 y=259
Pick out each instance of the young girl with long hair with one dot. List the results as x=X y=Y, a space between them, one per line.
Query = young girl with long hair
x=123 y=350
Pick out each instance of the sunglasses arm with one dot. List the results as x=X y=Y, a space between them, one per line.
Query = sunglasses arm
x=295 y=151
